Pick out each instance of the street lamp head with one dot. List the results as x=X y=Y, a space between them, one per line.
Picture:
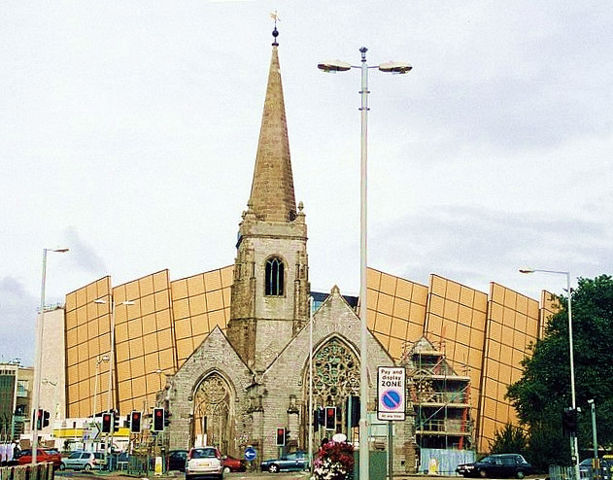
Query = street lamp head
x=127 y=302
x=395 y=67
x=60 y=250
x=99 y=300
x=334 y=66
x=526 y=270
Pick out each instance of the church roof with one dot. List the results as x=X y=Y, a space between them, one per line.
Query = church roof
x=272 y=190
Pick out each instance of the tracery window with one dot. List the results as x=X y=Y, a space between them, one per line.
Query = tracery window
x=212 y=413
x=274 y=277
x=336 y=373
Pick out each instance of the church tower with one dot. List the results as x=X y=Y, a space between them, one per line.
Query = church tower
x=270 y=289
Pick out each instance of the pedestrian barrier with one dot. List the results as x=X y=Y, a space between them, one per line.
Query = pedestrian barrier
x=557 y=472
x=41 y=471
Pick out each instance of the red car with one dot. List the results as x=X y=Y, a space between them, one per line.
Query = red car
x=42 y=455
x=231 y=464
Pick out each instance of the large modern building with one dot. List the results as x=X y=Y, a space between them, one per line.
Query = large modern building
x=228 y=348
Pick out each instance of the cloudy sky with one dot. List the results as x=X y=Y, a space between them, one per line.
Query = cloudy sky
x=128 y=133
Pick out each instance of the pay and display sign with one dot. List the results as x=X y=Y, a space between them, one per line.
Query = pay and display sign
x=391 y=393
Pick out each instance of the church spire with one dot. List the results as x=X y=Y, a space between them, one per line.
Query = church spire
x=272 y=190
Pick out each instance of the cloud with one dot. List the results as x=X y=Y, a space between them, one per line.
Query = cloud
x=82 y=253
x=475 y=246
x=17 y=314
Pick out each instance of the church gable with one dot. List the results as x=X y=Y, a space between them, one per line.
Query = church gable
x=214 y=367
x=334 y=319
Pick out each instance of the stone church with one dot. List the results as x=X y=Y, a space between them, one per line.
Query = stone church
x=235 y=390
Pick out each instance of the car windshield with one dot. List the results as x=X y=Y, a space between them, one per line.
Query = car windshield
x=75 y=455
x=204 y=453
x=51 y=451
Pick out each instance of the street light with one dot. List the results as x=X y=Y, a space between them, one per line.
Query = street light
x=112 y=347
x=99 y=360
x=39 y=350
x=335 y=66
x=574 y=444
x=112 y=357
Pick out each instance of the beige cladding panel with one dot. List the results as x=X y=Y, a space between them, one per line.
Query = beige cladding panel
x=200 y=303
x=455 y=323
x=513 y=325
x=144 y=339
x=87 y=330
x=396 y=310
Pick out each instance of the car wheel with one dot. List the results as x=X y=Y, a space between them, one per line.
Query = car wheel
x=274 y=468
x=520 y=474
x=226 y=469
x=482 y=473
x=87 y=467
x=62 y=466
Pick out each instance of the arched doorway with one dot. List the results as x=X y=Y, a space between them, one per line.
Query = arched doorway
x=213 y=419
x=336 y=376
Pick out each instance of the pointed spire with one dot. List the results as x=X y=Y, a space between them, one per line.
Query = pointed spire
x=272 y=190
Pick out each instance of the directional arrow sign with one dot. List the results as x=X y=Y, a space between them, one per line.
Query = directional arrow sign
x=94 y=430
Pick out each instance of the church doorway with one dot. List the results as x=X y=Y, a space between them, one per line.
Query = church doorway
x=213 y=419
x=336 y=376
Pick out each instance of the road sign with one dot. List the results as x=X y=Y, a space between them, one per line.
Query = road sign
x=94 y=430
x=391 y=393
x=250 y=453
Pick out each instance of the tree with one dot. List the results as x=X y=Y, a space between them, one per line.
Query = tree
x=543 y=391
x=510 y=439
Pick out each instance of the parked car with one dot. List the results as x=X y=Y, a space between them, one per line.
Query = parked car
x=606 y=468
x=177 y=459
x=231 y=464
x=292 y=461
x=42 y=455
x=204 y=462
x=497 y=466
x=80 y=460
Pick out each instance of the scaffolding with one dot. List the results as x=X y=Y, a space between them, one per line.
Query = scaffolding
x=440 y=398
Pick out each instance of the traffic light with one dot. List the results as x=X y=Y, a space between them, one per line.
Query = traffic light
x=38 y=418
x=115 y=421
x=158 y=420
x=107 y=420
x=167 y=416
x=135 y=421
x=316 y=419
x=321 y=416
x=330 y=418
x=354 y=414
x=569 y=421
x=280 y=437
x=45 y=418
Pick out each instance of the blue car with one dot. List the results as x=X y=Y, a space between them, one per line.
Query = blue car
x=295 y=461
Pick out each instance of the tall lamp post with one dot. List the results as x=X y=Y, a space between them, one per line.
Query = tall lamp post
x=99 y=360
x=390 y=67
x=110 y=404
x=39 y=352
x=574 y=444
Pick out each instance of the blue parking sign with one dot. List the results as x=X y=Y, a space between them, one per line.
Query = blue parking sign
x=250 y=453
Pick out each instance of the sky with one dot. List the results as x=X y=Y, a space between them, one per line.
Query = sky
x=128 y=133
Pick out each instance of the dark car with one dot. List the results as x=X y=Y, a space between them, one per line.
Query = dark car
x=292 y=461
x=497 y=466
x=231 y=464
x=176 y=460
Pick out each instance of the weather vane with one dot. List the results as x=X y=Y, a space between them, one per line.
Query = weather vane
x=275 y=33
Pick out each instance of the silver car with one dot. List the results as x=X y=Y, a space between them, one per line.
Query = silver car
x=204 y=462
x=80 y=460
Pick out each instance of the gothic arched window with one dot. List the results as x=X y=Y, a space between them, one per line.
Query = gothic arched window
x=274 y=277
